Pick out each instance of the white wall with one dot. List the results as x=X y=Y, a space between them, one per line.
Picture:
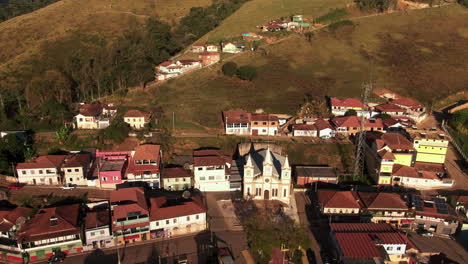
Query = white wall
x=178 y=222
x=40 y=175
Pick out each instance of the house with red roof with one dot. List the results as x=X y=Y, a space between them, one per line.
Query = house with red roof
x=176 y=217
x=434 y=214
x=212 y=47
x=421 y=176
x=129 y=215
x=414 y=109
x=177 y=179
x=111 y=167
x=97 y=226
x=369 y=243
x=304 y=130
x=94 y=116
x=231 y=47
x=351 y=125
x=197 y=48
x=264 y=125
x=44 y=170
x=11 y=221
x=211 y=169
x=320 y=128
x=340 y=204
x=145 y=165
x=390 y=109
x=236 y=122
x=339 y=107
x=51 y=229
x=137 y=119
x=76 y=168
x=209 y=58
x=390 y=208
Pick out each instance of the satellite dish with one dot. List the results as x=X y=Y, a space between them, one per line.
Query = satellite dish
x=186 y=194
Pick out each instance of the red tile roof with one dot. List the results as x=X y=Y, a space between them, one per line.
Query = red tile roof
x=426 y=166
x=176 y=173
x=209 y=157
x=304 y=127
x=364 y=245
x=40 y=226
x=383 y=201
x=404 y=171
x=147 y=152
x=236 y=116
x=91 y=109
x=322 y=124
x=8 y=218
x=385 y=154
x=95 y=219
x=348 y=102
x=389 y=108
x=160 y=210
x=137 y=113
x=165 y=64
x=77 y=160
x=339 y=199
x=346 y=121
x=264 y=117
x=389 y=122
x=43 y=162
x=135 y=195
x=408 y=102
x=397 y=141
x=360 y=227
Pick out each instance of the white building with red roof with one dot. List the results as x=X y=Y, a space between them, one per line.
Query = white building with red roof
x=211 y=170
x=76 y=168
x=340 y=106
x=414 y=109
x=320 y=128
x=236 y=122
x=137 y=119
x=145 y=165
x=44 y=170
x=94 y=116
x=168 y=218
x=264 y=125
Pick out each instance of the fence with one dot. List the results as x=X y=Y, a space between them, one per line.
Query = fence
x=454 y=142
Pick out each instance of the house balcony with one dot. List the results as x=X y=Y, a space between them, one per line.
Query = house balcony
x=132 y=220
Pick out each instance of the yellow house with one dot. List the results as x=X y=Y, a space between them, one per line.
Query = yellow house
x=430 y=147
x=137 y=119
x=177 y=179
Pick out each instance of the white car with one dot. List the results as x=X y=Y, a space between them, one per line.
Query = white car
x=68 y=186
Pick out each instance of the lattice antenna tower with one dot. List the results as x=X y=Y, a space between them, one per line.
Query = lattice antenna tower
x=361 y=136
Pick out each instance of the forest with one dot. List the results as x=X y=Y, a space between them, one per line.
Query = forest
x=13 y=8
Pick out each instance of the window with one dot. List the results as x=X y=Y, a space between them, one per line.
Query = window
x=41 y=171
x=200 y=168
x=285 y=192
x=104 y=178
x=77 y=170
x=167 y=222
x=398 y=248
x=175 y=220
x=157 y=223
x=102 y=232
x=197 y=217
x=92 y=233
x=255 y=123
x=211 y=178
x=71 y=179
x=274 y=192
x=188 y=218
x=32 y=171
x=115 y=178
x=248 y=190
x=389 y=248
x=69 y=170
x=202 y=178
x=23 y=172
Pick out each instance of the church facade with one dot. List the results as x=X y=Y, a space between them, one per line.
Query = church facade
x=267 y=176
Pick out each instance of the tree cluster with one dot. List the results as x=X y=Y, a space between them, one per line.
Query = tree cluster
x=14 y=149
x=13 y=8
x=378 y=5
x=248 y=73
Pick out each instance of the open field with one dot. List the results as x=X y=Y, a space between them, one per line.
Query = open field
x=417 y=53
x=21 y=37
x=258 y=12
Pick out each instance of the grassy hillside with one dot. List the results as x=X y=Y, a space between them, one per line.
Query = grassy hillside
x=21 y=36
x=258 y=12
x=419 y=53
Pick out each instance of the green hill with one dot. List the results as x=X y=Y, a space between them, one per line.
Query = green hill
x=417 y=53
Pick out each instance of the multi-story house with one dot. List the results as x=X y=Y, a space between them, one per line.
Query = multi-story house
x=421 y=175
x=177 y=179
x=130 y=215
x=387 y=208
x=189 y=65
x=212 y=47
x=111 y=167
x=351 y=125
x=383 y=151
x=236 y=122
x=230 y=47
x=414 y=109
x=430 y=147
x=209 y=58
x=176 y=217
x=95 y=116
x=44 y=170
x=340 y=204
x=368 y=243
x=304 y=130
x=137 y=119
x=197 y=48
x=433 y=214
x=145 y=165
x=267 y=176
x=51 y=229
x=320 y=128
x=76 y=168
x=263 y=124
x=340 y=107
x=11 y=221
x=97 y=228
x=211 y=170
x=390 y=109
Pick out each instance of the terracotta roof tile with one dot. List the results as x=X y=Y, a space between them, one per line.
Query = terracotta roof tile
x=135 y=195
x=389 y=108
x=91 y=109
x=348 y=102
x=96 y=219
x=210 y=157
x=147 y=152
x=236 y=116
x=176 y=173
x=304 y=127
x=137 y=113
x=381 y=201
x=264 y=117
x=161 y=210
x=408 y=102
x=8 y=218
x=43 y=162
x=397 y=141
x=339 y=199
x=322 y=124
x=385 y=154
x=77 y=160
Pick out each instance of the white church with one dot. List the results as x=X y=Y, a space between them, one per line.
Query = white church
x=267 y=176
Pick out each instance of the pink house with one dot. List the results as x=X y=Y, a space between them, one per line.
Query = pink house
x=112 y=167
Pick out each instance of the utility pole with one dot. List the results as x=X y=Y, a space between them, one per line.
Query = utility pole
x=361 y=137
x=173 y=122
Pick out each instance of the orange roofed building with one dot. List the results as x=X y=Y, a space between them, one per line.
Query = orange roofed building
x=137 y=119
x=209 y=58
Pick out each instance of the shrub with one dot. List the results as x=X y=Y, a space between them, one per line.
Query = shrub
x=351 y=112
x=229 y=68
x=247 y=73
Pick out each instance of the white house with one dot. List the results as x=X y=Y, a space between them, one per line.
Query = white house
x=303 y=130
x=324 y=129
x=145 y=165
x=94 y=116
x=97 y=227
x=45 y=170
x=76 y=168
x=420 y=177
x=189 y=65
x=340 y=107
x=237 y=122
x=137 y=119
x=181 y=217
x=231 y=48
x=211 y=170
x=267 y=176
x=264 y=124
x=212 y=48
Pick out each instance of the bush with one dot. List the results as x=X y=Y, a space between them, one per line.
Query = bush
x=117 y=131
x=229 y=68
x=351 y=112
x=248 y=73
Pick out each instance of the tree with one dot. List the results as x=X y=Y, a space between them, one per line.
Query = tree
x=351 y=112
x=384 y=116
x=229 y=68
x=117 y=131
x=61 y=135
x=248 y=73
x=297 y=258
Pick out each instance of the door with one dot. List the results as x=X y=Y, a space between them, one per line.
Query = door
x=34 y=181
x=50 y=181
x=255 y=132
x=266 y=195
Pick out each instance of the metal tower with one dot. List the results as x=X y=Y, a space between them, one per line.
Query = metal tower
x=361 y=136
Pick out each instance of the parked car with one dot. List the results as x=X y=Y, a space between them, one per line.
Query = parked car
x=69 y=186
x=16 y=186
